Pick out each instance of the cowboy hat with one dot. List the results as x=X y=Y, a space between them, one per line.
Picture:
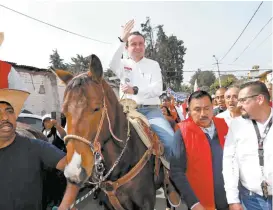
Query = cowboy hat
x=1 y=38
x=16 y=98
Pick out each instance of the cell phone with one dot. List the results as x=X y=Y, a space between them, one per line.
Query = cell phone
x=53 y=115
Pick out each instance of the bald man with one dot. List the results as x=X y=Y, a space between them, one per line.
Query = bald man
x=220 y=99
x=231 y=101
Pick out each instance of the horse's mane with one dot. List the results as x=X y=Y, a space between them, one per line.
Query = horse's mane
x=79 y=82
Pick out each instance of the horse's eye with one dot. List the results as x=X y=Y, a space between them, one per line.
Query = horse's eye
x=97 y=109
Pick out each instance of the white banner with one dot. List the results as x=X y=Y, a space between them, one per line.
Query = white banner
x=177 y=96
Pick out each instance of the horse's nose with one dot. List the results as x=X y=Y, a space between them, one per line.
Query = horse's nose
x=74 y=172
x=76 y=176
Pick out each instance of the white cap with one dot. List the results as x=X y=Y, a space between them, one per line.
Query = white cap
x=46 y=116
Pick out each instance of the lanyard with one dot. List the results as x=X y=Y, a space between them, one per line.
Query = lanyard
x=264 y=184
x=261 y=139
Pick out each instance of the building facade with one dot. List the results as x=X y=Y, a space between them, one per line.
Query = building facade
x=46 y=90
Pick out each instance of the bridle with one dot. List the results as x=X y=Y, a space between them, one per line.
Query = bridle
x=96 y=146
x=110 y=187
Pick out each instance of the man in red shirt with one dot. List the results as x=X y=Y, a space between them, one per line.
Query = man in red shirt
x=196 y=165
x=9 y=76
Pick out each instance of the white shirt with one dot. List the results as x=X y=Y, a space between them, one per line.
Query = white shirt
x=145 y=74
x=226 y=116
x=241 y=160
x=210 y=130
x=15 y=80
x=51 y=138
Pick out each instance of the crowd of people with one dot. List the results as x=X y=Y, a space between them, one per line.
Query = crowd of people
x=216 y=138
x=219 y=146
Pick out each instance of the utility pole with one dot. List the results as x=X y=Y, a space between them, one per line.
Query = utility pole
x=217 y=62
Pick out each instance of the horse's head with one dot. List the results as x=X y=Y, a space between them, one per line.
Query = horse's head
x=84 y=106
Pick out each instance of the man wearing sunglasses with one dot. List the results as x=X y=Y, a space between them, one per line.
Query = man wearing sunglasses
x=248 y=154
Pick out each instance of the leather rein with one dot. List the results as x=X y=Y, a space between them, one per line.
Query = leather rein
x=110 y=187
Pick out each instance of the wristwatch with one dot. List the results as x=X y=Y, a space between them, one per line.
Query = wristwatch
x=135 y=89
x=120 y=39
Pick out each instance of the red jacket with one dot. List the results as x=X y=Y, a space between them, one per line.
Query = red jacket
x=4 y=74
x=199 y=162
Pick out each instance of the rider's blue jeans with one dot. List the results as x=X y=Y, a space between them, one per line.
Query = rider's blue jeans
x=161 y=127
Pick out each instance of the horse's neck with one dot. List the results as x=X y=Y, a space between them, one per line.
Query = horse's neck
x=133 y=153
x=135 y=148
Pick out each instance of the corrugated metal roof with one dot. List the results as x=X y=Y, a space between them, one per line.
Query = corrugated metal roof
x=31 y=68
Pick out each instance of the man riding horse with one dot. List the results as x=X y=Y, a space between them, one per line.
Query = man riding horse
x=141 y=80
x=103 y=143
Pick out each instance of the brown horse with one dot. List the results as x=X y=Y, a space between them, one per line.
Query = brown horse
x=103 y=146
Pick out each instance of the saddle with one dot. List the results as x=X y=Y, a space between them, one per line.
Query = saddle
x=143 y=129
x=154 y=147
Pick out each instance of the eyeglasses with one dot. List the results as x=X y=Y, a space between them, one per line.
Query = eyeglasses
x=242 y=100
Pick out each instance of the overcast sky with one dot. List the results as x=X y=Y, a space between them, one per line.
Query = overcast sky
x=207 y=28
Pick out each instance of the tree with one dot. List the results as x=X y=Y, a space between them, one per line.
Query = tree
x=147 y=32
x=205 y=88
x=185 y=88
x=226 y=81
x=79 y=64
x=255 y=67
x=108 y=74
x=56 y=61
x=168 y=51
x=204 y=78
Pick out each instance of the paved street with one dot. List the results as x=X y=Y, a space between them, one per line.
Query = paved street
x=89 y=203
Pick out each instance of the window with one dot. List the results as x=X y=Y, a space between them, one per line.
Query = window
x=33 y=122
x=42 y=89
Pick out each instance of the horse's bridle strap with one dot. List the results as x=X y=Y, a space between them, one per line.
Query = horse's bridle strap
x=127 y=177
x=95 y=147
x=115 y=202
x=67 y=138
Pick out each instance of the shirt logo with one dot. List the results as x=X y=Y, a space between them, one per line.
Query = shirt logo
x=127 y=68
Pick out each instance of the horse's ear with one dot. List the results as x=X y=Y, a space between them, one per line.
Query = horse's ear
x=96 y=69
x=64 y=76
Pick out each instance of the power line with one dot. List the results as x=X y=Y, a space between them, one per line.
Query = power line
x=253 y=39
x=263 y=41
x=76 y=34
x=242 y=31
x=233 y=70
